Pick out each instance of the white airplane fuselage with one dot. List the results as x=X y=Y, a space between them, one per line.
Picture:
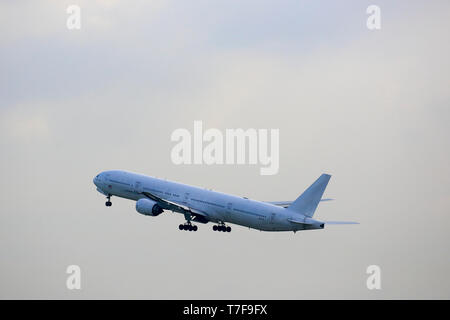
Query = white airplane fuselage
x=217 y=207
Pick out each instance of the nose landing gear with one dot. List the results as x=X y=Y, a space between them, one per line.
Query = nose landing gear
x=108 y=203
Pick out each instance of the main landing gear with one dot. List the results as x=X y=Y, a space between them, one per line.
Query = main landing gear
x=108 y=203
x=187 y=227
x=221 y=227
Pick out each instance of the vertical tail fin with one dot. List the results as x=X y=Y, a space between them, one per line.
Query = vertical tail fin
x=307 y=202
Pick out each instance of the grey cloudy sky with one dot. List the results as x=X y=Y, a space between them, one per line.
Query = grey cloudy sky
x=369 y=107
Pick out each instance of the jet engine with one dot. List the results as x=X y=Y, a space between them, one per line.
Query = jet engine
x=148 y=207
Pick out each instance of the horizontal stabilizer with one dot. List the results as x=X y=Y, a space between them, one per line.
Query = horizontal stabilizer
x=340 y=222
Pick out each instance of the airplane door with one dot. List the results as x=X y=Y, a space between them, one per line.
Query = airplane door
x=186 y=198
x=230 y=209
x=138 y=187
x=272 y=218
x=230 y=214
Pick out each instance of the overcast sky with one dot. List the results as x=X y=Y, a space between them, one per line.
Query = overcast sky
x=371 y=108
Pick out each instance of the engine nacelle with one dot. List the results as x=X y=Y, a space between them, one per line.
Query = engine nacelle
x=148 y=207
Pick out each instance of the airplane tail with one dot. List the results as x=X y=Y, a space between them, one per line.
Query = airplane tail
x=307 y=202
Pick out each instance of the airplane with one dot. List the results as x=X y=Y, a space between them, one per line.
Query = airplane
x=200 y=206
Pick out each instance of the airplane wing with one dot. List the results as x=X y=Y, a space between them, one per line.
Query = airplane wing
x=286 y=204
x=189 y=213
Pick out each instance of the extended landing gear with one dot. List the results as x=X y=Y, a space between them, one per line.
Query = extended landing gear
x=108 y=203
x=187 y=227
x=221 y=227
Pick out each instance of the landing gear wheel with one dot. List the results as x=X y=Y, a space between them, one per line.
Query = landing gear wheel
x=221 y=227
x=187 y=227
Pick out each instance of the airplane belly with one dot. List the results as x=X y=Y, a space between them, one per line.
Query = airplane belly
x=127 y=194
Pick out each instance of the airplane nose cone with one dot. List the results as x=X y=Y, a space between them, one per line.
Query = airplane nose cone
x=96 y=180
